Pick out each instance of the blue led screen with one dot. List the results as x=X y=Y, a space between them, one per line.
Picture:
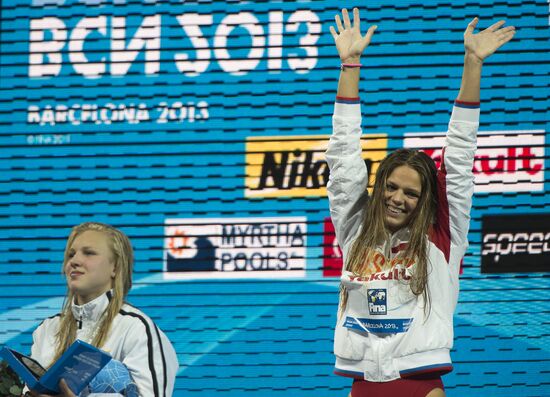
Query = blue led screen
x=199 y=127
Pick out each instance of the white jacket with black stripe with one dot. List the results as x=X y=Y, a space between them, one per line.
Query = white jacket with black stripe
x=385 y=331
x=134 y=339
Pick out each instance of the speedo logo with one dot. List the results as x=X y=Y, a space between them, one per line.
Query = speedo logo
x=504 y=244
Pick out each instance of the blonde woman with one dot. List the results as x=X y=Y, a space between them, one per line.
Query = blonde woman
x=402 y=245
x=98 y=267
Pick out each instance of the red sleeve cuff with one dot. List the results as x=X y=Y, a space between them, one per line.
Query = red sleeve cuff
x=467 y=105
x=341 y=99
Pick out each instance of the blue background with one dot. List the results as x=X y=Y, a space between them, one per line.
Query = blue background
x=260 y=337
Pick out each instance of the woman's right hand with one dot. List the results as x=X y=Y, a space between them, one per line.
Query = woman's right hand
x=349 y=41
x=64 y=389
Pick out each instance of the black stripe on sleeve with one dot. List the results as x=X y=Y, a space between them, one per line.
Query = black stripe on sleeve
x=163 y=360
x=149 y=347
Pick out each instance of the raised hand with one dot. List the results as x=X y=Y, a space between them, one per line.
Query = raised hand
x=486 y=42
x=349 y=41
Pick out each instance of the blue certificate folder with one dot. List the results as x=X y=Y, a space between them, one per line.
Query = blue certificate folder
x=78 y=366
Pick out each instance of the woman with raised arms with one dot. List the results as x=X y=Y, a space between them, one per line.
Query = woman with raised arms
x=403 y=244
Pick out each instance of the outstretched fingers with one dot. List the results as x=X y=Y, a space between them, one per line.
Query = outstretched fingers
x=506 y=34
x=494 y=27
x=333 y=32
x=503 y=35
x=347 y=22
x=487 y=41
x=368 y=36
x=349 y=41
x=356 y=19
x=507 y=29
x=471 y=26
x=339 y=23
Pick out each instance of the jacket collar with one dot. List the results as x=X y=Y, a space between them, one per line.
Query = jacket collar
x=92 y=310
x=401 y=236
x=396 y=242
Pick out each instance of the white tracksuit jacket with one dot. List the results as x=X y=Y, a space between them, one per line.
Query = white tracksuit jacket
x=134 y=339
x=384 y=332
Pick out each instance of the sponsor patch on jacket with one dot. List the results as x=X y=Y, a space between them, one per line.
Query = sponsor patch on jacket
x=377 y=301
x=379 y=326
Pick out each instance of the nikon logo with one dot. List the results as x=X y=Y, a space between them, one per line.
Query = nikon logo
x=295 y=166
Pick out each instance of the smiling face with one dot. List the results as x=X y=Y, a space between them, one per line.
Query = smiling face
x=401 y=195
x=89 y=266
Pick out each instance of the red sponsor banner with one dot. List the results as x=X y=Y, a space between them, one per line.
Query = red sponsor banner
x=332 y=254
x=504 y=160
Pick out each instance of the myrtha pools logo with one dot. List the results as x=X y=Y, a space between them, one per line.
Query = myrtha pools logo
x=235 y=247
x=377 y=301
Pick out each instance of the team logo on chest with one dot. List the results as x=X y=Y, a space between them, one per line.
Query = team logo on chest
x=377 y=301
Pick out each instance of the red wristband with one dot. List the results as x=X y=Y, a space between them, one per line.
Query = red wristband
x=350 y=65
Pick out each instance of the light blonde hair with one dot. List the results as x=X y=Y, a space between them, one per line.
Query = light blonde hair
x=123 y=257
x=374 y=231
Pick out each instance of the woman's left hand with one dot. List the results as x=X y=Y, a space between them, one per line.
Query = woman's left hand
x=486 y=42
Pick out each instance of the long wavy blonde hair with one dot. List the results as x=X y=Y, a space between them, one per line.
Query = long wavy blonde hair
x=374 y=231
x=123 y=257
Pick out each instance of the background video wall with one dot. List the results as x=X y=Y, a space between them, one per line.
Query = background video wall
x=199 y=129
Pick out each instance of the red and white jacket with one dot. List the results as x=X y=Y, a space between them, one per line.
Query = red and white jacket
x=385 y=331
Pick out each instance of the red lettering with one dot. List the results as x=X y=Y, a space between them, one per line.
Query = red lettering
x=435 y=154
x=378 y=262
x=486 y=167
x=526 y=157
x=396 y=261
x=475 y=170
x=493 y=164
x=397 y=273
x=511 y=160
x=404 y=275
x=375 y=276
